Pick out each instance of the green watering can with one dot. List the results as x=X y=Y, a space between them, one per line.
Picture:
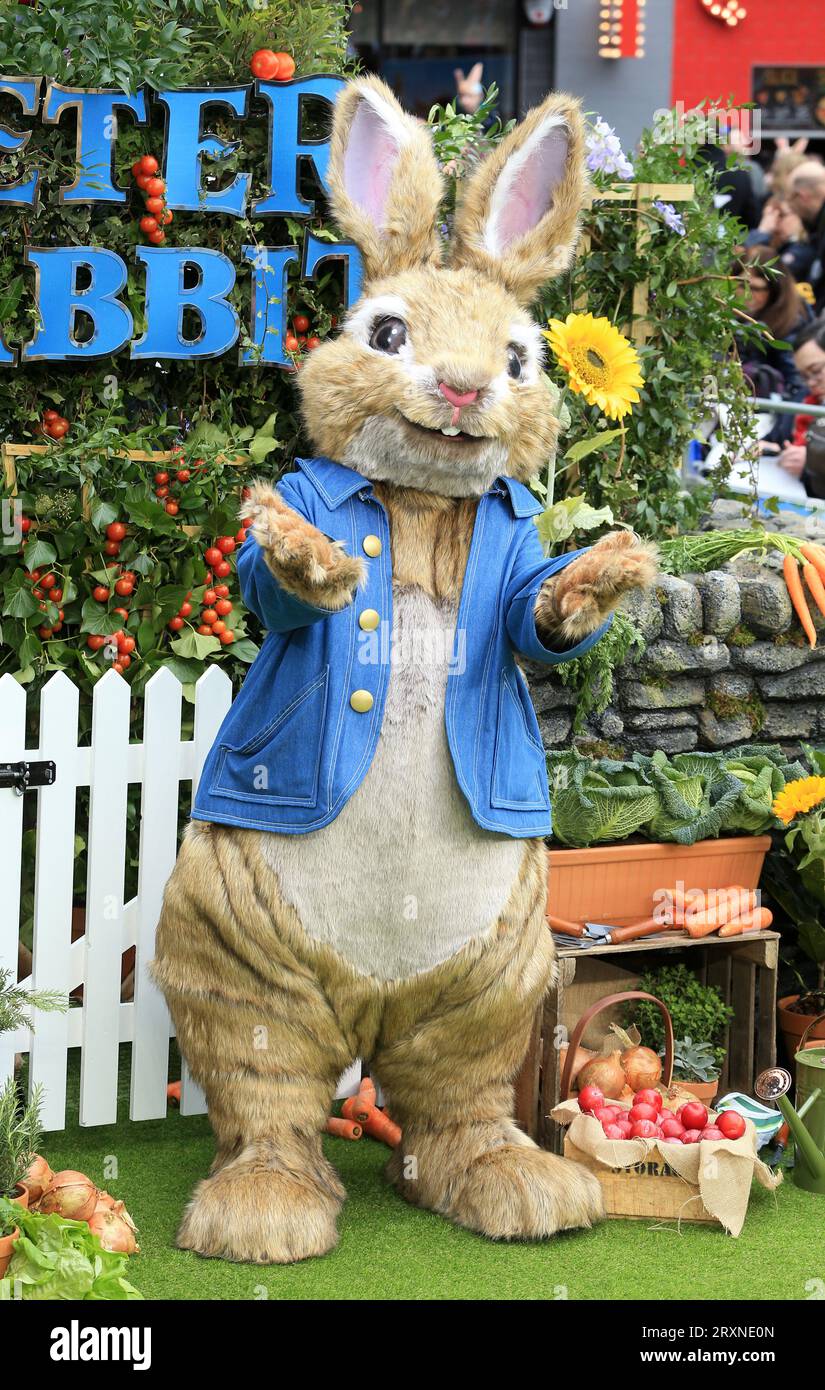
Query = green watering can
x=772 y=1085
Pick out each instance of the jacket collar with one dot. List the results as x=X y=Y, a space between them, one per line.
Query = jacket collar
x=336 y=483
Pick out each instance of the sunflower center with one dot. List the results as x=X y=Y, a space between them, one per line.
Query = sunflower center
x=591 y=366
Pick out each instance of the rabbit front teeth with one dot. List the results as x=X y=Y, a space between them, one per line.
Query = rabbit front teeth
x=450 y=429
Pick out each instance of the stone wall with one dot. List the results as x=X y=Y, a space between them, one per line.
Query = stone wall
x=725 y=662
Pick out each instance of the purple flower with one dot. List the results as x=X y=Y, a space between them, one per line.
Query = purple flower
x=670 y=216
x=605 y=154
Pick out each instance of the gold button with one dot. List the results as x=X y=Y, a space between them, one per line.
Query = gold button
x=369 y=620
x=361 y=701
x=372 y=546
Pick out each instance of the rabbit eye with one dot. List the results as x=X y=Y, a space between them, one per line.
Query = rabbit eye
x=514 y=362
x=388 y=335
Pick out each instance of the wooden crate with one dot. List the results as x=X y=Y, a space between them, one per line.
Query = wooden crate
x=648 y=1191
x=743 y=969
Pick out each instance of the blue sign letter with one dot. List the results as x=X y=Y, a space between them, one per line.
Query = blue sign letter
x=286 y=145
x=185 y=143
x=59 y=301
x=317 y=252
x=167 y=296
x=27 y=91
x=96 y=136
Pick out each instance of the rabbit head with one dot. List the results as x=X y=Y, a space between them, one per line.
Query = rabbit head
x=435 y=379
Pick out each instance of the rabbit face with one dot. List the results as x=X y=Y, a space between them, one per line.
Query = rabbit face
x=435 y=380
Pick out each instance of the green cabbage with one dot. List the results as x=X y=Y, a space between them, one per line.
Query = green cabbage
x=594 y=803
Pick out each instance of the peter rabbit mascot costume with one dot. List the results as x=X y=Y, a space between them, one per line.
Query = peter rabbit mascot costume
x=365 y=873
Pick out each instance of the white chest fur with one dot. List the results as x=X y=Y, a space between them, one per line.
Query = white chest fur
x=403 y=877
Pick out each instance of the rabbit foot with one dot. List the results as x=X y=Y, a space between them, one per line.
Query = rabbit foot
x=520 y=1192
x=257 y=1215
x=579 y=599
x=303 y=560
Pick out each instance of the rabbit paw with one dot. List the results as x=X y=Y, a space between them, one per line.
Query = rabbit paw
x=304 y=561
x=579 y=599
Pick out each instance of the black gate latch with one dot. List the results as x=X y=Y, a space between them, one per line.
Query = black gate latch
x=23 y=776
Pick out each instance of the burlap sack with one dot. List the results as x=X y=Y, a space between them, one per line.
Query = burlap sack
x=724 y=1184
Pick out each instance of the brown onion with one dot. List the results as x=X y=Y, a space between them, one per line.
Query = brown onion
x=114 y=1228
x=605 y=1071
x=38 y=1177
x=642 y=1067
x=583 y=1056
x=70 y=1194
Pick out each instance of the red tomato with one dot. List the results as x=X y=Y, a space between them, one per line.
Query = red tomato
x=154 y=205
x=112 y=547
x=227 y=637
x=693 y=1115
x=124 y=587
x=148 y=164
x=49 y=415
x=125 y=644
x=225 y=544
x=157 y=238
x=166 y=217
x=223 y=569
x=212 y=556
x=209 y=616
x=591 y=1099
x=185 y=609
x=240 y=536
x=161 y=492
x=264 y=64
x=119 y=666
x=136 y=169
x=58 y=428
x=223 y=606
x=25 y=524
x=101 y=593
x=172 y=508
x=115 y=531
x=38 y=592
x=643 y=1129
x=300 y=323
x=313 y=341
x=44 y=632
x=121 y=613
x=162 y=476
x=219 y=627
x=731 y=1124
x=95 y=641
x=183 y=475
x=643 y=1112
x=286 y=66
x=222 y=590
x=209 y=596
x=56 y=595
x=649 y=1096
x=122 y=663
x=175 y=623
x=155 y=188
x=143 y=181
x=291 y=343
x=204 y=630
x=48 y=581
x=148 y=224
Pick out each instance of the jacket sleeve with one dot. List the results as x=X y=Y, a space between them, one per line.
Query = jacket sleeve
x=274 y=606
x=529 y=572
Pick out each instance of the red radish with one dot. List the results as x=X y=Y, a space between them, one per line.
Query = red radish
x=643 y=1112
x=711 y=1132
x=672 y=1128
x=691 y=1136
x=71 y=1194
x=673 y=1138
x=608 y=1114
x=614 y=1132
x=648 y=1096
x=626 y=1127
x=591 y=1099
x=731 y=1124
x=643 y=1129
x=693 y=1115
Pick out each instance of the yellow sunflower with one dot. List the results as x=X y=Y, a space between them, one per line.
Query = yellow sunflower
x=601 y=364
x=798 y=797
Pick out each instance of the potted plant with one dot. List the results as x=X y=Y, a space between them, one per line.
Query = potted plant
x=695 y=1068
x=700 y=1021
x=623 y=829
x=801 y=807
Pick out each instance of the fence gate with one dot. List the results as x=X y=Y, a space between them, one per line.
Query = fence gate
x=108 y=767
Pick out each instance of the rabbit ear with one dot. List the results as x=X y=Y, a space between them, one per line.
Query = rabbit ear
x=384 y=181
x=517 y=221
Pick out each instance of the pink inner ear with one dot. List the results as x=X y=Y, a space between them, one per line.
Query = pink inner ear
x=369 y=162
x=525 y=190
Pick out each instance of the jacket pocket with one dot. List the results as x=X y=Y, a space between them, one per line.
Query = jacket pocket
x=519 y=779
x=281 y=762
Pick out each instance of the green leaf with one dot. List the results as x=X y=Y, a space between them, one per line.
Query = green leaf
x=245 y=650
x=37 y=553
x=10 y=298
x=261 y=446
x=559 y=522
x=193 y=644
x=102 y=513
x=583 y=447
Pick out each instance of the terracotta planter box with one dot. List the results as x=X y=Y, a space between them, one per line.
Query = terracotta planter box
x=614 y=884
x=793 y=1025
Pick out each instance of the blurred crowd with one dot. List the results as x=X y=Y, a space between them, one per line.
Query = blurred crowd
x=781 y=266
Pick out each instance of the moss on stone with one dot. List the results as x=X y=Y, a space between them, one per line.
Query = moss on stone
x=726 y=706
x=741 y=636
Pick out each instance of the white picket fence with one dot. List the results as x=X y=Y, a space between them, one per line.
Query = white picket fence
x=159 y=764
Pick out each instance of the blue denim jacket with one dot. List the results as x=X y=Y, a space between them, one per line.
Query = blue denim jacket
x=292 y=749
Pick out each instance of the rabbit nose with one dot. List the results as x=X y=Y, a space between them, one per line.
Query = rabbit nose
x=457 y=398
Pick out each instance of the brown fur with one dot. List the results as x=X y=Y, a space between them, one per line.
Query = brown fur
x=306 y=564
x=548 y=248
x=267 y=1019
x=430 y=539
x=580 y=598
x=409 y=237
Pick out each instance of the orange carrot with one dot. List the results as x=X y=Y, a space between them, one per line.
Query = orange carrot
x=793 y=579
x=815 y=555
x=343 y=1129
x=367 y=1089
x=813 y=579
x=728 y=907
x=380 y=1126
x=173 y=1093
x=757 y=920
x=357 y=1108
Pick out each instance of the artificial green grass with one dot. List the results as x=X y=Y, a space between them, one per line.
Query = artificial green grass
x=389 y=1250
